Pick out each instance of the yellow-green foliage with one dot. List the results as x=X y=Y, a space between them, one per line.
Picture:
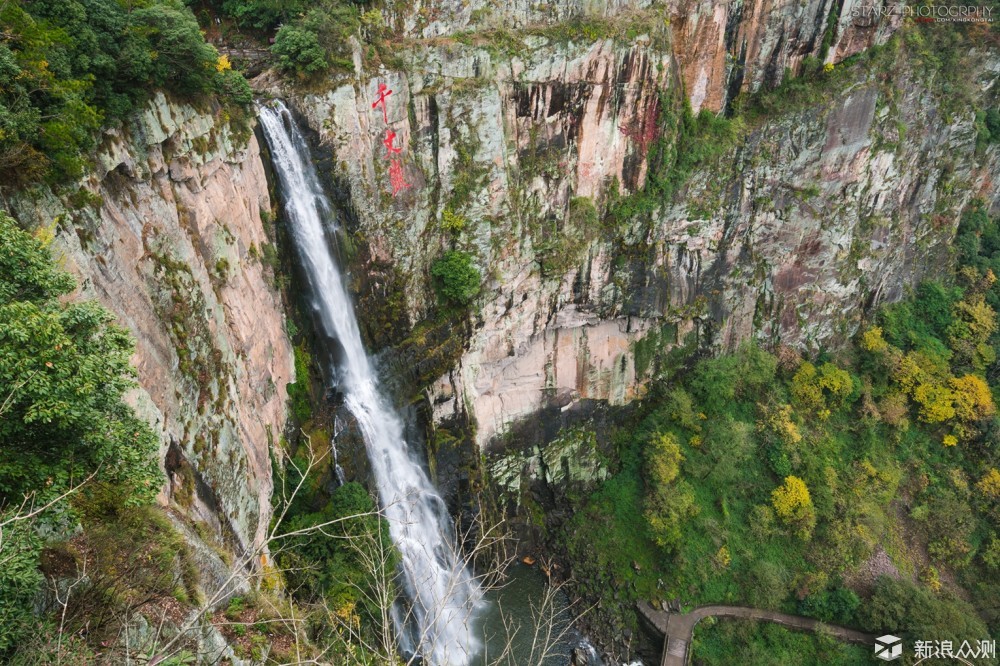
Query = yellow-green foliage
x=926 y=375
x=806 y=391
x=452 y=222
x=972 y=398
x=936 y=402
x=793 y=505
x=989 y=485
x=872 y=340
x=970 y=332
x=669 y=501
x=819 y=391
x=778 y=420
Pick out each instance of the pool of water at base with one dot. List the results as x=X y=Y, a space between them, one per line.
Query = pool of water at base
x=538 y=633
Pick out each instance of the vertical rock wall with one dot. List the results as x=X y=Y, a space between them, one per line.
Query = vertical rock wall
x=168 y=234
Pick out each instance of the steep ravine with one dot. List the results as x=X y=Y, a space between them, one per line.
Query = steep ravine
x=819 y=211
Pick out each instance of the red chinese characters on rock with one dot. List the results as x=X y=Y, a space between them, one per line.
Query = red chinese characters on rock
x=397 y=181
x=383 y=92
x=390 y=136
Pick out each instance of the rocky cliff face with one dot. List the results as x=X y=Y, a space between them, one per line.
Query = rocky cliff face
x=167 y=233
x=827 y=211
x=722 y=48
x=519 y=149
x=513 y=151
x=725 y=48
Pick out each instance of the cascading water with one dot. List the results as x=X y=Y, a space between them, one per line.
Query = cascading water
x=444 y=598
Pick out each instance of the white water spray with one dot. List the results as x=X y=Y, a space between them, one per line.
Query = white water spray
x=444 y=598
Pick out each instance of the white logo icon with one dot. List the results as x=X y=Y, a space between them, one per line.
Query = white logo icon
x=888 y=647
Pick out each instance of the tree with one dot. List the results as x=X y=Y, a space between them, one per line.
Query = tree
x=822 y=389
x=262 y=14
x=67 y=67
x=456 y=278
x=969 y=334
x=936 y=402
x=747 y=373
x=779 y=422
x=793 y=506
x=989 y=485
x=669 y=501
x=298 y=50
x=873 y=342
x=182 y=57
x=901 y=607
x=806 y=391
x=64 y=371
x=972 y=398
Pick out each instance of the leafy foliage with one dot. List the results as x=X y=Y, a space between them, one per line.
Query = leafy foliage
x=768 y=644
x=669 y=501
x=339 y=561
x=899 y=605
x=318 y=40
x=793 y=505
x=338 y=568
x=67 y=67
x=262 y=14
x=64 y=372
x=456 y=279
x=298 y=50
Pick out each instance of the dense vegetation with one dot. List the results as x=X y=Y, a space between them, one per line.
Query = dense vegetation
x=765 y=644
x=776 y=481
x=70 y=67
x=456 y=278
x=64 y=370
x=307 y=38
x=338 y=561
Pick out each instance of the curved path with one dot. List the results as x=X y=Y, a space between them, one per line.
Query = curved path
x=678 y=629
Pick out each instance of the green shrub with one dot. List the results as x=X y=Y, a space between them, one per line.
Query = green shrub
x=262 y=14
x=64 y=370
x=298 y=392
x=901 y=606
x=838 y=605
x=669 y=502
x=991 y=123
x=20 y=581
x=348 y=560
x=456 y=279
x=299 y=51
x=178 y=55
x=232 y=85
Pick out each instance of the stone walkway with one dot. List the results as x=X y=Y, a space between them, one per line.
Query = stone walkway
x=678 y=628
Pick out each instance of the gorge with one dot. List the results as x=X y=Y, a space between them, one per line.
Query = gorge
x=691 y=303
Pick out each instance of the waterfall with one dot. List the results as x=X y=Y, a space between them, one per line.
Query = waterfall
x=443 y=598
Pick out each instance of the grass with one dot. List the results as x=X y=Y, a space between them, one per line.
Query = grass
x=767 y=644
